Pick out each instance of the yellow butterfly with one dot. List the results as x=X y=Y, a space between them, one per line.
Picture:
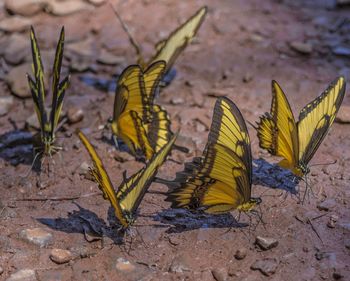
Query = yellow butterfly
x=297 y=142
x=220 y=180
x=127 y=198
x=48 y=125
x=142 y=125
x=170 y=48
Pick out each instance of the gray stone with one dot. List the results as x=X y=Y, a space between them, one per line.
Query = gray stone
x=23 y=275
x=25 y=7
x=326 y=205
x=17 y=49
x=343 y=115
x=266 y=243
x=220 y=274
x=341 y=51
x=63 y=8
x=267 y=266
x=5 y=105
x=109 y=59
x=332 y=221
x=301 y=47
x=60 y=256
x=15 y=23
x=37 y=236
x=179 y=264
x=17 y=81
x=124 y=265
x=241 y=254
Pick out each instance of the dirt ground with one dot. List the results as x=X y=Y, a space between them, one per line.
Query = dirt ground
x=240 y=48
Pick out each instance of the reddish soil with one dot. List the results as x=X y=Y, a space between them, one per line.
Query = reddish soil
x=240 y=48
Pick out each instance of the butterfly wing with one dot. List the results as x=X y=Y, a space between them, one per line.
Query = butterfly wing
x=316 y=118
x=133 y=189
x=169 y=49
x=101 y=177
x=220 y=180
x=37 y=85
x=152 y=76
x=277 y=130
x=58 y=88
x=133 y=133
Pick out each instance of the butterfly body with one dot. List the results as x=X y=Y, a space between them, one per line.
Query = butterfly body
x=297 y=142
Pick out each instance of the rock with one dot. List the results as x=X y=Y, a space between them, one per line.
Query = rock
x=17 y=49
x=109 y=59
x=247 y=78
x=326 y=205
x=301 y=47
x=83 y=168
x=75 y=115
x=124 y=265
x=5 y=105
x=267 y=266
x=266 y=243
x=241 y=254
x=25 y=7
x=343 y=115
x=37 y=236
x=63 y=8
x=60 y=256
x=1 y=270
x=97 y=2
x=177 y=100
x=32 y=121
x=15 y=23
x=23 y=275
x=17 y=81
x=341 y=51
x=332 y=221
x=179 y=265
x=122 y=156
x=220 y=274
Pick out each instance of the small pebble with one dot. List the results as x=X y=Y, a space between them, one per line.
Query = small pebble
x=241 y=253
x=124 y=265
x=301 y=47
x=326 y=205
x=1 y=270
x=267 y=266
x=266 y=243
x=23 y=275
x=219 y=274
x=5 y=105
x=75 y=115
x=332 y=221
x=60 y=256
x=37 y=236
x=179 y=265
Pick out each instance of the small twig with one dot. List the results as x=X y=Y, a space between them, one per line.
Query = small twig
x=59 y=198
x=314 y=229
x=320 y=216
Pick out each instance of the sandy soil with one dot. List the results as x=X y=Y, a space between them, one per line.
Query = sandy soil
x=240 y=48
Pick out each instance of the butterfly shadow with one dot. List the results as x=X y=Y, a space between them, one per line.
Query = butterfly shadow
x=273 y=176
x=181 y=220
x=87 y=223
x=16 y=147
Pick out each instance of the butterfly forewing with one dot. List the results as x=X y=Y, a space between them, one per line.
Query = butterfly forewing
x=131 y=192
x=101 y=177
x=169 y=49
x=316 y=118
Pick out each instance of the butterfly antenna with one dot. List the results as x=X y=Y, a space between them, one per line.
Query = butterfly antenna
x=127 y=31
x=33 y=163
x=323 y=164
x=115 y=140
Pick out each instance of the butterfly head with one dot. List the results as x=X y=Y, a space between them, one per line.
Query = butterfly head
x=301 y=170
